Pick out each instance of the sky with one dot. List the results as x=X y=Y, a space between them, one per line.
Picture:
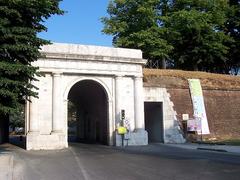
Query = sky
x=80 y=24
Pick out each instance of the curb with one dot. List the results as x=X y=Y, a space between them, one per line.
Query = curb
x=210 y=149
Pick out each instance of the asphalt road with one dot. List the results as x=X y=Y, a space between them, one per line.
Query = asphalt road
x=97 y=162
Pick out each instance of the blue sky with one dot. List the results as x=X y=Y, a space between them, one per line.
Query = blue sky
x=80 y=24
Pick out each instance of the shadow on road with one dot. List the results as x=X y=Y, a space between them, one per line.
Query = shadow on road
x=18 y=140
x=92 y=161
x=175 y=153
x=4 y=148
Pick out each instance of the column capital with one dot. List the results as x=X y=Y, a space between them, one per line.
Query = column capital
x=57 y=73
x=32 y=132
x=47 y=74
x=138 y=76
x=56 y=132
x=119 y=76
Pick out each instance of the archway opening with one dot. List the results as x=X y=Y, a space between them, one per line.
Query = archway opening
x=88 y=113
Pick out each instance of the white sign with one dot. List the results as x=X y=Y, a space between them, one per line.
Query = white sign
x=198 y=105
x=185 y=117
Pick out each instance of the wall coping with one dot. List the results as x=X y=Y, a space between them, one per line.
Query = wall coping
x=91 y=53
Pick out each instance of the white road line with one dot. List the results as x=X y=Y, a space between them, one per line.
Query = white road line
x=80 y=165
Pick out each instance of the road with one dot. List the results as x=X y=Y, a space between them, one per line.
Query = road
x=97 y=162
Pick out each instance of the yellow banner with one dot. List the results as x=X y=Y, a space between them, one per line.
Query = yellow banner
x=195 y=87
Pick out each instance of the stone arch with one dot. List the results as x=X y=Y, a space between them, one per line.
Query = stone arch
x=79 y=79
x=91 y=102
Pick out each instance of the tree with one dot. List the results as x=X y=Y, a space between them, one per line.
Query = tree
x=190 y=34
x=196 y=34
x=135 y=24
x=232 y=28
x=17 y=119
x=20 y=21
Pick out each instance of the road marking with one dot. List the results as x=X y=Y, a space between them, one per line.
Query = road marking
x=80 y=165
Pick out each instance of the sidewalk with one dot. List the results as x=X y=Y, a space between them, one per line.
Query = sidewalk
x=6 y=165
x=208 y=147
x=11 y=166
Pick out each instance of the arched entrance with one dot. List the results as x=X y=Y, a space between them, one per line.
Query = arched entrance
x=88 y=113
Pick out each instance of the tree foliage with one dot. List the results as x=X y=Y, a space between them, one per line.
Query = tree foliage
x=189 y=34
x=135 y=24
x=199 y=43
x=20 y=21
x=232 y=28
x=17 y=119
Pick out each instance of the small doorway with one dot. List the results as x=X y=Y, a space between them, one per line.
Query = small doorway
x=153 y=112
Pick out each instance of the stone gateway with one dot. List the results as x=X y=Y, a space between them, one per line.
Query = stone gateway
x=83 y=90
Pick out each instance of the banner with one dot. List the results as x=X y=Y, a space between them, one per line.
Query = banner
x=199 y=111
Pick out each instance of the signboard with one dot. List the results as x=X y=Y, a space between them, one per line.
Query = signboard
x=198 y=105
x=194 y=125
x=122 y=114
x=122 y=130
x=185 y=117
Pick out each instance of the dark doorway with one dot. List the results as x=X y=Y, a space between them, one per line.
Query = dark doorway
x=88 y=113
x=154 y=121
x=4 y=129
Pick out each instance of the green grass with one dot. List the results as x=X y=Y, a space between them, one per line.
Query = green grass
x=232 y=142
x=208 y=80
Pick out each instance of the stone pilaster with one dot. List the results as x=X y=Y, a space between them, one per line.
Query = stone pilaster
x=138 y=103
x=56 y=104
x=118 y=82
x=33 y=115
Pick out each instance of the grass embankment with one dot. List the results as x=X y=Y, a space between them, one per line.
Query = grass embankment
x=208 y=80
x=232 y=142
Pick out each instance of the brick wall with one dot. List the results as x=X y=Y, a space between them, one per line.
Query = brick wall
x=222 y=108
x=223 y=112
x=222 y=105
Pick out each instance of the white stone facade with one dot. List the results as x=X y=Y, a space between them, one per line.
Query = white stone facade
x=171 y=128
x=117 y=70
